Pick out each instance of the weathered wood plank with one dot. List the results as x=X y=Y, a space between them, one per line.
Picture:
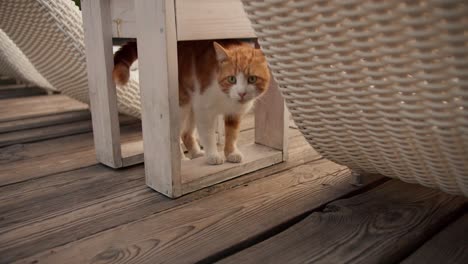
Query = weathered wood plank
x=19 y=91
x=382 y=225
x=204 y=227
x=272 y=120
x=20 y=108
x=209 y=19
x=43 y=121
x=103 y=96
x=448 y=246
x=41 y=133
x=196 y=174
x=20 y=162
x=156 y=30
x=212 y=19
x=79 y=203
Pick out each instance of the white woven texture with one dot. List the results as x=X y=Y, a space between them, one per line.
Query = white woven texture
x=50 y=34
x=14 y=64
x=379 y=86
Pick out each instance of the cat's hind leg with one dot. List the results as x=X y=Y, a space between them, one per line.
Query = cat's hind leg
x=184 y=116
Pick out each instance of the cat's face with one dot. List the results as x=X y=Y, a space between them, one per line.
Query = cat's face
x=243 y=72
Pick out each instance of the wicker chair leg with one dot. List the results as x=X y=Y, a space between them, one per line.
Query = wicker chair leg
x=357 y=179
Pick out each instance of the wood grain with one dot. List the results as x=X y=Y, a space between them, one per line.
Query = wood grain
x=19 y=162
x=54 y=131
x=157 y=48
x=380 y=226
x=35 y=106
x=26 y=161
x=123 y=19
x=80 y=203
x=272 y=120
x=212 y=19
x=448 y=246
x=196 y=174
x=103 y=96
x=208 y=19
x=204 y=227
x=43 y=121
x=19 y=91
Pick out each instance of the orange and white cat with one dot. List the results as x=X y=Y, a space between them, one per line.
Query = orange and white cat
x=215 y=78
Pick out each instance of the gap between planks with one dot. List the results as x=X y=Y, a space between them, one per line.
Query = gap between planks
x=36 y=106
x=382 y=225
x=448 y=246
x=98 y=195
x=195 y=231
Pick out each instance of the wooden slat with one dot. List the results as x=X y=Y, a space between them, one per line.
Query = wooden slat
x=157 y=48
x=208 y=19
x=272 y=120
x=79 y=203
x=38 y=159
x=123 y=19
x=204 y=227
x=379 y=226
x=20 y=92
x=103 y=96
x=197 y=174
x=212 y=19
x=41 y=133
x=132 y=153
x=36 y=106
x=20 y=162
x=43 y=121
x=448 y=246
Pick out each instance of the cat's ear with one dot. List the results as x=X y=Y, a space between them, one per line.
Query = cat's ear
x=221 y=53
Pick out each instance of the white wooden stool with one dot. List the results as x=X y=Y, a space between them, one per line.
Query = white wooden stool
x=158 y=25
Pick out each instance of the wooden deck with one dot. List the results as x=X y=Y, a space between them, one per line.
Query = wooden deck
x=60 y=206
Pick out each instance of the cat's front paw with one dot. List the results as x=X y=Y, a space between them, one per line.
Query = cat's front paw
x=235 y=156
x=215 y=159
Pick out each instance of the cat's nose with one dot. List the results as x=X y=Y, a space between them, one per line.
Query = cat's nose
x=242 y=94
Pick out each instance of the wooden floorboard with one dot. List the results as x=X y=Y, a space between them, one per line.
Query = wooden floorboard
x=18 y=91
x=44 y=121
x=59 y=205
x=205 y=227
x=27 y=161
x=448 y=246
x=82 y=202
x=53 y=131
x=36 y=106
x=380 y=226
x=65 y=149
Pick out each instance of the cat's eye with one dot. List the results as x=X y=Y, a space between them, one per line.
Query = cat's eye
x=232 y=79
x=252 y=79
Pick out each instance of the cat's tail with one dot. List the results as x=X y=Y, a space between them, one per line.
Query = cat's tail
x=123 y=59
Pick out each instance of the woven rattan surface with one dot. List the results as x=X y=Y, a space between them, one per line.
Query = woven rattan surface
x=379 y=86
x=50 y=34
x=14 y=64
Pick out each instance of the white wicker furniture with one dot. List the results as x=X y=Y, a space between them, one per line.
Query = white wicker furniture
x=379 y=86
x=50 y=34
x=14 y=64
